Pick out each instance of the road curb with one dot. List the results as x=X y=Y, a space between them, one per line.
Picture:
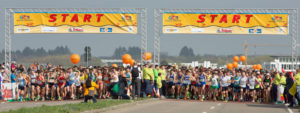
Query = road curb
x=121 y=106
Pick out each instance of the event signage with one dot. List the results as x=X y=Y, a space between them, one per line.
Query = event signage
x=75 y=22
x=210 y=23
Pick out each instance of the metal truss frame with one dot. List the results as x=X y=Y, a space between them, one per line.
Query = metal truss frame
x=9 y=23
x=293 y=26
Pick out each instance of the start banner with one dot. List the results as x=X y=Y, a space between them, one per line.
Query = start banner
x=75 y=22
x=205 y=23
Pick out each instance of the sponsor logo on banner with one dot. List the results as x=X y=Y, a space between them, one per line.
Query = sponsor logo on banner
x=109 y=30
x=127 y=18
x=197 y=30
x=173 y=30
x=224 y=30
x=102 y=29
x=173 y=18
x=75 y=29
x=23 y=30
x=281 y=30
x=277 y=19
x=130 y=29
x=258 y=31
x=48 y=29
x=24 y=18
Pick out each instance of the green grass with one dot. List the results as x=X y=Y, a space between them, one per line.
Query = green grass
x=70 y=108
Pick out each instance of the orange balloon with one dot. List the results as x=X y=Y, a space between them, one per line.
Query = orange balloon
x=147 y=56
x=132 y=62
x=235 y=64
x=243 y=58
x=114 y=65
x=126 y=58
x=258 y=66
x=236 y=58
x=229 y=66
x=75 y=58
x=127 y=61
x=254 y=66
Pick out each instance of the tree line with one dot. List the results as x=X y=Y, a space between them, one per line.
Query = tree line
x=39 y=52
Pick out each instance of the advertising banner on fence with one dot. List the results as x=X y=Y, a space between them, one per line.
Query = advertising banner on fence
x=199 y=23
x=77 y=22
x=8 y=91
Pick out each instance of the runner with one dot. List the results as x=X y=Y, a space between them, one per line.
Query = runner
x=236 y=85
x=225 y=82
x=186 y=80
x=214 y=85
x=52 y=85
x=171 y=83
x=21 y=86
x=40 y=80
x=243 y=89
x=201 y=85
x=266 y=87
x=33 y=85
x=252 y=81
x=61 y=82
x=179 y=83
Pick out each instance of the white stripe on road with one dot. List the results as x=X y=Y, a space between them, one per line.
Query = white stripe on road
x=290 y=111
x=212 y=107
x=204 y=112
x=219 y=104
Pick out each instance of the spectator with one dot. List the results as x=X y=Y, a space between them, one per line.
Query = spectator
x=89 y=90
x=136 y=80
x=1 y=81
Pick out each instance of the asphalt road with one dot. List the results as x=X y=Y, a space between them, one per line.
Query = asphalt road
x=174 y=106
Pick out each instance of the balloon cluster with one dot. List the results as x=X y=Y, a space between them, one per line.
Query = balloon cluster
x=235 y=62
x=256 y=66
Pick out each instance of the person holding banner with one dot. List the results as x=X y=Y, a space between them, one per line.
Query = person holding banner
x=297 y=78
x=1 y=81
x=289 y=86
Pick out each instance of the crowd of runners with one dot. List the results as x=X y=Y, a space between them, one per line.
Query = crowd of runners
x=49 y=82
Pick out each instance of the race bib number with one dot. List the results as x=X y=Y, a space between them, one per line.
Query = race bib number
x=251 y=87
x=106 y=78
x=51 y=80
x=202 y=80
x=267 y=83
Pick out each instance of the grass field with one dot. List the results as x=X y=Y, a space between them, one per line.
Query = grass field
x=70 y=108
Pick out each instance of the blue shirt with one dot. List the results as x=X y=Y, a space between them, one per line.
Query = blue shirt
x=12 y=77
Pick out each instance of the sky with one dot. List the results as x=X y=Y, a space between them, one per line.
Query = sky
x=104 y=44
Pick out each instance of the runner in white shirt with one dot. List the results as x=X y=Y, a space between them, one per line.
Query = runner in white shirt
x=252 y=80
x=225 y=82
x=243 y=83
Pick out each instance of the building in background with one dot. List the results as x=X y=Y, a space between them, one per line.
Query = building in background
x=281 y=62
x=205 y=64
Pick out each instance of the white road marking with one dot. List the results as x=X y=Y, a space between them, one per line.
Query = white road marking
x=204 y=112
x=219 y=104
x=212 y=107
x=290 y=111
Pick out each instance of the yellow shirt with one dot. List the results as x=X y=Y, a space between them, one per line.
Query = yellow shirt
x=151 y=73
x=297 y=77
x=158 y=82
x=163 y=73
x=86 y=90
x=283 y=80
x=277 y=79
x=146 y=75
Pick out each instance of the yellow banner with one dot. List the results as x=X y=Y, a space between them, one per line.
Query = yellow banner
x=275 y=24
x=80 y=22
